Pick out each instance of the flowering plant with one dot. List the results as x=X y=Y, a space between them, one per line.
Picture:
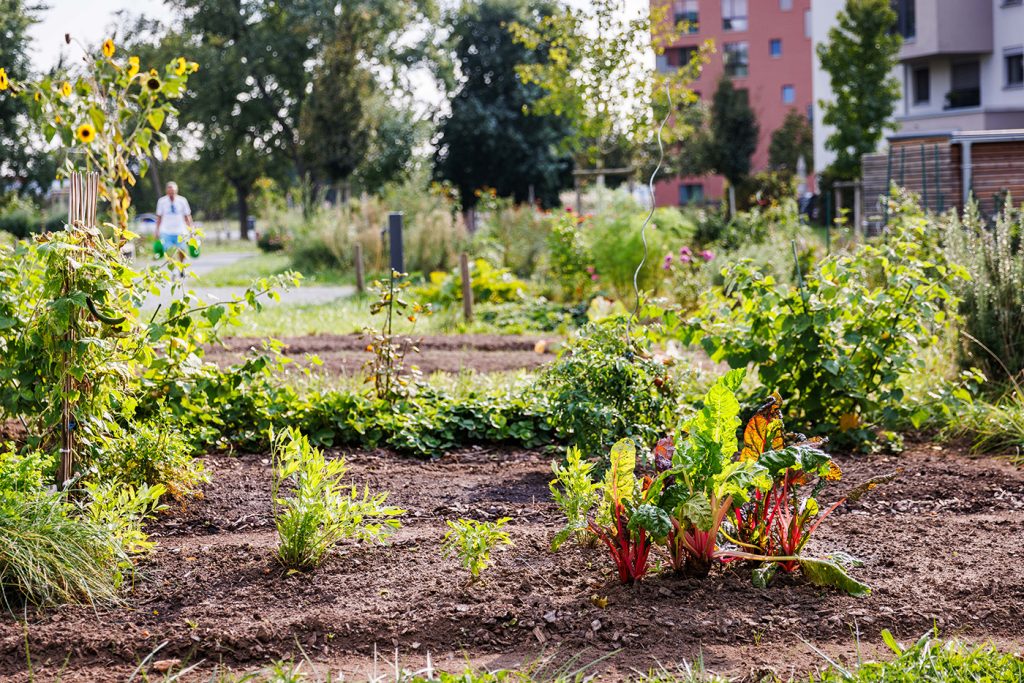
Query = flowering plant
x=688 y=275
x=108 y=118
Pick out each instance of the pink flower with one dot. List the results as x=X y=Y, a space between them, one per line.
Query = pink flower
x=590 y=269
x=685 y=251
x=707 y=255
x=594 y=277
x=684 y=258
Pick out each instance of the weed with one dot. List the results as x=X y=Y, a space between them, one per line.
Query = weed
x=473 y=541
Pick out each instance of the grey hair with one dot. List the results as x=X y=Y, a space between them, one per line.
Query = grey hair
x=170 y=185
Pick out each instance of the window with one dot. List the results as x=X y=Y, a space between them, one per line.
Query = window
x=737 y=60
x=1011 y=3
x=921 y=83
x=785 y=5
x=810 y=114
x=906 y=17
x=734 y=15
x=692 y=193
x=775 y=47
x=788 y=94
x=680 y=56
x=966 y=82
x=686 y=12
x=1014 y=60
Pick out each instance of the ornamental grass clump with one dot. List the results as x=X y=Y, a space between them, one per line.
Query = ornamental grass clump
x=313 y=510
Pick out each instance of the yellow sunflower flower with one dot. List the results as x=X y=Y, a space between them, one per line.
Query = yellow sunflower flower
x=4 y=81
x=133 y=66
x=65 y=89
x=86 y=133
x=108 y=48
x=180 y=66
x=152 y=81
x=193 y=67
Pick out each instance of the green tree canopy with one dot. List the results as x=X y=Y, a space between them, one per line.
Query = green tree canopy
x=489 y=139
x=734 y=132
x=859 y=57
x=792 y=141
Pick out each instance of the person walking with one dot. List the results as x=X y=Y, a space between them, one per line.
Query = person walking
x=173 y=221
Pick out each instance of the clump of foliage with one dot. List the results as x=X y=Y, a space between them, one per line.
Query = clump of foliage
x=837 y=341
x=575 y=493
x=49 y=555
x=489 y=284
x=320 y=511
x=931 y=659
x=606 y=384
x=569 y=259
x=150 y=453
x=992 y=300
x=123 y=509
x=392 y=378
x=473 y=541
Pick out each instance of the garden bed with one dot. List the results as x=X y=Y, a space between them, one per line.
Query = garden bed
x=939 y=546
x=345 y=354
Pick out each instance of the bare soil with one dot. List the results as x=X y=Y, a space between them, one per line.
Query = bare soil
x=941 y=546
x=345 y=354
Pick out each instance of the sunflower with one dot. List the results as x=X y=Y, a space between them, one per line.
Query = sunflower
x=133 y=66
x=193 y=67
x=152 y=81
x=65 y=89
x=86 y=133
x=108 y=48
x=180 y=66
x=4 y=82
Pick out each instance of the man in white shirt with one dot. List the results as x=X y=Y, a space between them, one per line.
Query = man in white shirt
x=173 y=216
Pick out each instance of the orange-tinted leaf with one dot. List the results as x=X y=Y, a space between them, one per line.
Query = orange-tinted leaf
x=764 y=430
x=849 y=421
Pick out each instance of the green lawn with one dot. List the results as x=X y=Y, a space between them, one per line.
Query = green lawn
x=243 y=272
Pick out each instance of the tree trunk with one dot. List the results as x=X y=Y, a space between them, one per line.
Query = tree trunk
x=242 y=193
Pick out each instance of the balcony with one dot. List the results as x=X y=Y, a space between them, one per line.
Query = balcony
x=963 y=98
x=944 y=27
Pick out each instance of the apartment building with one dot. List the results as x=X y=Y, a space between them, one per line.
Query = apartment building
x=961 y=67
x=764 y=46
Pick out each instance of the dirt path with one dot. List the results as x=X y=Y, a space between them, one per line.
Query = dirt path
x=941 y=546
x=345 y=354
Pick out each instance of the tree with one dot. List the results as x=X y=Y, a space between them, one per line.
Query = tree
x=599 y=76
x=24 y=164
x=792 y=141
x=734 y=132
x=489 y=139
x=859 y=57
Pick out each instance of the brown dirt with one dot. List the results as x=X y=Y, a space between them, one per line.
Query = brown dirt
x=345 y=354
x=941 y=547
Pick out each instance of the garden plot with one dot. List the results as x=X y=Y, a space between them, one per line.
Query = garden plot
x=934 y=542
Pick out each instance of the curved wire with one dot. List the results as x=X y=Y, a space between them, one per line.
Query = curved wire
x=650 y=214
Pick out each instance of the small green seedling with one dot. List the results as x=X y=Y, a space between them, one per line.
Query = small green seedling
x=472 y=542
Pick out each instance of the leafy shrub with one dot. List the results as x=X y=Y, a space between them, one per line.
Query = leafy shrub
x=122 y=510
x=392 y=378
x=606 y=385
x=992 y=300
x=837 y=342
x=320 y=512
x=511 y=236
x=532 y=314
x=149 y=453
x=490 y=285
x=49 y=556
x=570 y=264
x=23 y=473
x=575 y=493
x=473 y=541
x=20 y=222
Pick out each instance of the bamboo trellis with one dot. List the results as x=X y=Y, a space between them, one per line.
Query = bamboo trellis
x=81 y=214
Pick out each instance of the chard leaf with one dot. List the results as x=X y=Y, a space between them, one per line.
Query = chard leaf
x=651 y=518
x=697 y=511
x=807 y=457
x=763 y=575
x=718 y=420
x=828 y=573
x=620 y=481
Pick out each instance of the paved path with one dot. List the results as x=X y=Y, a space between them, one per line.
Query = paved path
x=304 y=295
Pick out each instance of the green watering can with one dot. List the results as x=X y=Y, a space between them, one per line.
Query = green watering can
x=158 y=249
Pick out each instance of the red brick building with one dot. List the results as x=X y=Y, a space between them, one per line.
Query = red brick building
x=765 y=46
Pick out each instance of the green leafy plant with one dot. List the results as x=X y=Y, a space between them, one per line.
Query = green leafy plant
x=606 y=384
x=569 y=259
x=837 y=342
x=575 y=493
x=50 y=556
x=473 y=541
x=123 y=509
x=320 y=511
x=490 y=285
x=391 y=376
x=149 y=453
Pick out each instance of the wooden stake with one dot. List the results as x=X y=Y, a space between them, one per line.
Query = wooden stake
x=467 y=287
x=360 y=275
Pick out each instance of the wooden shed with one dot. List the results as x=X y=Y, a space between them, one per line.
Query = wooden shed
x=946 y=169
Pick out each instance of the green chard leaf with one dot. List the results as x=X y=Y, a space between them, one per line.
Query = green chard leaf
x=828 y=573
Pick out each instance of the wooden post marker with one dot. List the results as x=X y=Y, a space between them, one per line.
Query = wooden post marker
x=467 y=287
x=360 y=275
